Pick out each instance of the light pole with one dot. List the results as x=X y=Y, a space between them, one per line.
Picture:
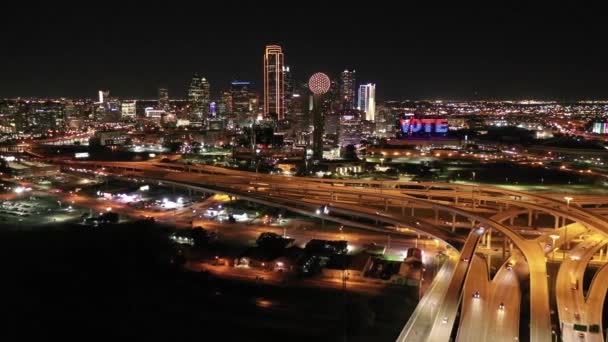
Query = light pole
x=420 y=284
x=553 y=238
x=568 y=199
x=381 y=161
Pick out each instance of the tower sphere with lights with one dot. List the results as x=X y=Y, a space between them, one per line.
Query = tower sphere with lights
x=319 y=83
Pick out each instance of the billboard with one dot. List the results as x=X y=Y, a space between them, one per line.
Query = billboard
x=411 y=126
x=81 y=155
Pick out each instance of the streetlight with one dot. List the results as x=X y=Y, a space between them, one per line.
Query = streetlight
x=568 y=199
x=553 y=237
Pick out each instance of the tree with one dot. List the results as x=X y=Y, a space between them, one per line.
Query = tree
x=350 y=153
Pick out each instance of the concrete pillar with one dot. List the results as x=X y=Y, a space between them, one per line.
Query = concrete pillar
x=472 y=223
x=456 y=200
x=436 y=216
x=556 y=222
x=530 y=218
x=489 y=242
x=402 y=209
x=385 y=204
x=511 y=219
x=453 y=222
x=413 y=211
x=504 y=247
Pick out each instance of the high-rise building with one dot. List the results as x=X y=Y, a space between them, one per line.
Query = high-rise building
x=289 y=89
x=199 y=96
x=128 y=108
x=274 y=83
x=103 y=95
x=242 y=110
x=163 y=99
x=225 y=106
x=367 y=101
x=347 y=89
x=206 y=87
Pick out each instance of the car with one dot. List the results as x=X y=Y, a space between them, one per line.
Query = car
x=509 y=266
x=476 y=294
x=501 y=306
x=445 y=320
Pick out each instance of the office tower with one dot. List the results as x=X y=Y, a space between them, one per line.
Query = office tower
x=103 y=95
x=128 y=109
x=274 y=83
x=367 y=101
x=241 y=102
x=289 y=89
x=163 y=99
x=199 y=96
x=318 y=84
x=347 y=89
x=206 y=91
x=225 y=106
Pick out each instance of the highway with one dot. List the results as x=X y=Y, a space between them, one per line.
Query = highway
x=376 y=200
x=572 y=307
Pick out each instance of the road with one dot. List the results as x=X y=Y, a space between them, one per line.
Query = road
x=572 y=307
x=471 y=202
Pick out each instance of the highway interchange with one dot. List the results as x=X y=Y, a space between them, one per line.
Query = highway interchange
x=475 y=220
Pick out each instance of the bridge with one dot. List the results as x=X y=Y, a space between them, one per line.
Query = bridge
x=529 y=226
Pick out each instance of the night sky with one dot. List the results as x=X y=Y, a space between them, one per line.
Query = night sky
x=429 y=52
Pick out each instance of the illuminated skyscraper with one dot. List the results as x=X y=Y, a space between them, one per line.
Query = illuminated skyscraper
x=163 y=98
x=195 y=95
x=347 y=89
x=199 y=96
x=206 y=88
x=103 y=95
x=289 y=91
x=274 y=82
x=240 y=95
x=367 y=101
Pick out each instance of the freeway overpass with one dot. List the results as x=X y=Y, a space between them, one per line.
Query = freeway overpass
x=403 y=204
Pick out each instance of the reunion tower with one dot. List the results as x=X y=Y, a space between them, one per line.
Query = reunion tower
x=318 y=84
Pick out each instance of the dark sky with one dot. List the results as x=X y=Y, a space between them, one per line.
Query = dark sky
x=433 y=52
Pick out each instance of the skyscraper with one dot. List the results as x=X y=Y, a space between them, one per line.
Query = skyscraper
x=206 y=87
x=103 y=95
x=274 y=82
x=199 y=96
x=241 y=102
x=289 y=90
x=347 y=89
x=367 y=101
x=163 y=99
